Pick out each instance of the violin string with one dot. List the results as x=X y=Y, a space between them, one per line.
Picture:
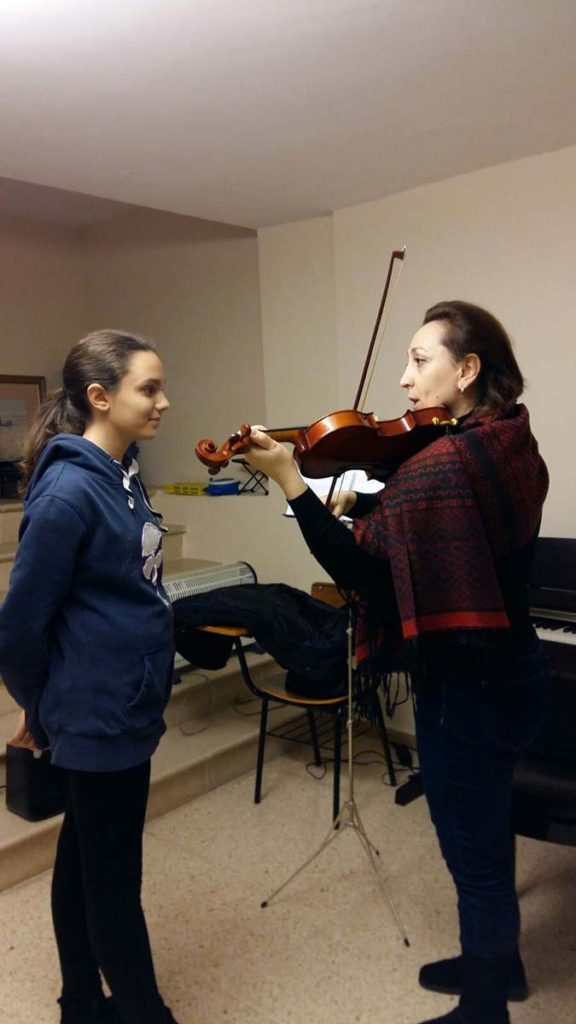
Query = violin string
x=381 y=331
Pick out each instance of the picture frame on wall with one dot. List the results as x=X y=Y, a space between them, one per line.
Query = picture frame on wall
x=20 y=398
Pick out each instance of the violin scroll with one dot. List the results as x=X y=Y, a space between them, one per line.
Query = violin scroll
x=217 y=458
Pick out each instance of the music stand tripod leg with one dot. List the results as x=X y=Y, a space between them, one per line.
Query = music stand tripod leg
x=332 y=834
x=348 y=816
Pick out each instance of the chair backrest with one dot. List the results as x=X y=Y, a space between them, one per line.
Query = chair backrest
x=329 y=593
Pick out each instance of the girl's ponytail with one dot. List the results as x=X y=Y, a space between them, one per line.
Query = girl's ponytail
x=56 y=415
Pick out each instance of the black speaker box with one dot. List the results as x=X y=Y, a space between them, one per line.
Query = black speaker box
x=35 y=788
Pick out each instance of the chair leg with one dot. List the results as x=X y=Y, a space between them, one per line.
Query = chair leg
x=261 y=748
x=337 y=763
x=384 y=737
x=314 y=737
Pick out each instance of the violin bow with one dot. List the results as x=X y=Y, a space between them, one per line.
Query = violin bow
x=397 y=254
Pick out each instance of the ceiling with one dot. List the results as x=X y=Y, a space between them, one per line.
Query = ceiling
x=259 y=112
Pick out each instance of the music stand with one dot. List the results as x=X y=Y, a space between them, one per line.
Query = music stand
x=257 y=480
x=349 y=817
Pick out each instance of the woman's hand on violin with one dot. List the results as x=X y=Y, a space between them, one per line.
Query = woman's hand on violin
x=276 y=461
x=341 y=503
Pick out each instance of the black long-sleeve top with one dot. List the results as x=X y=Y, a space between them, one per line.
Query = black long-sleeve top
x=334 y=547
x=352 y=568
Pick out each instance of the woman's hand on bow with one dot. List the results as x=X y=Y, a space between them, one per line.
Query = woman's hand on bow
x=341 y=503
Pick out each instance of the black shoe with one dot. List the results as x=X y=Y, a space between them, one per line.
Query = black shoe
x=107 y=1012
x=446 y=976
x=459 y=1016
x=454 y=1017
x=89 y=1011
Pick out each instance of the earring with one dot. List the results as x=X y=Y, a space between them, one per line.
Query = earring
x=461 y=388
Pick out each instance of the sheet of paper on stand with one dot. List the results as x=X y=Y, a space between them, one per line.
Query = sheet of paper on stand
x=351 y=480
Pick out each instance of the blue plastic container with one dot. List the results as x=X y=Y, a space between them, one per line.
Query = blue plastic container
x=226 y=485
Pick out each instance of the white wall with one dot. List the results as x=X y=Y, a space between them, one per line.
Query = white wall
x=298 y=317
x=298 y=321
x=42 y=297
x=192 y=287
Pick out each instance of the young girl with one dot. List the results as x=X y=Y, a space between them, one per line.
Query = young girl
x=441 y=561
x=86 y=650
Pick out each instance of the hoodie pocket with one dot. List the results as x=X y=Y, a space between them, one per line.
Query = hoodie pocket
x=148 y=705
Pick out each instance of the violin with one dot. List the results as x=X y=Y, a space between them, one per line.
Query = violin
x=343 y=440
x=348 y=439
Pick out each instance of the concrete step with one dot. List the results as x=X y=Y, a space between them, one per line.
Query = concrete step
x=10 y=515
x=7 y=552
x=211 y=738
x=7 y=706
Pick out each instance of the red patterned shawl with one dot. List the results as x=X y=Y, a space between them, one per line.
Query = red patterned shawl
x=445 y=517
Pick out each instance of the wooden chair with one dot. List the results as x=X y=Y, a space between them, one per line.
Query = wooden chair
x=274 y=690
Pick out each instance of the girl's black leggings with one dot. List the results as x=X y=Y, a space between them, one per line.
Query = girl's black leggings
x=96 y=908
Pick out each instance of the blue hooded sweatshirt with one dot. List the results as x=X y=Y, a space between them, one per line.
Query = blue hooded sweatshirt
x=86 y=634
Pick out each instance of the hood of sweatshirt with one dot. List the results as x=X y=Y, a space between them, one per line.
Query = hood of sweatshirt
x=78 y=451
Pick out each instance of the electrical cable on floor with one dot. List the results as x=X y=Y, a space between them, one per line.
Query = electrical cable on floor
x=201 y=727
x=403 y=764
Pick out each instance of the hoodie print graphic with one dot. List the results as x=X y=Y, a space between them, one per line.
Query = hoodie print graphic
x=151 y=551
x=152 y=556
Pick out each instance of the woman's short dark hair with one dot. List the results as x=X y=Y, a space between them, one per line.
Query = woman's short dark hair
x=102 y=357
x=470 y=328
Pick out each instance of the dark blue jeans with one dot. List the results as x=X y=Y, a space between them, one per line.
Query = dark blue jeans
x=469 y=737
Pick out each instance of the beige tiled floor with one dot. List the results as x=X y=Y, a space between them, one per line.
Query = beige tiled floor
x=327 y=950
